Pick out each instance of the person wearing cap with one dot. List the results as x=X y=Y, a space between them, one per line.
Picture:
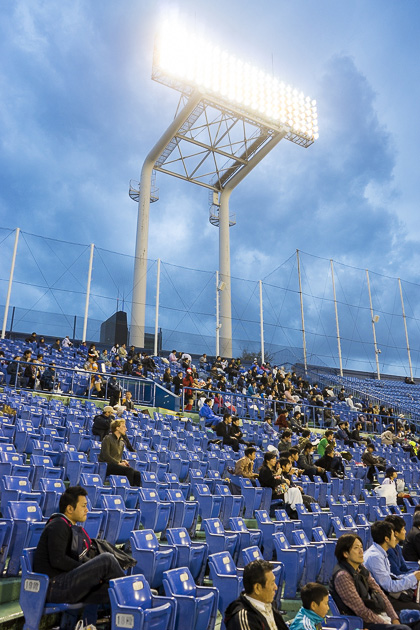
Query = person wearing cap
x=102 y=422
x=371 y=461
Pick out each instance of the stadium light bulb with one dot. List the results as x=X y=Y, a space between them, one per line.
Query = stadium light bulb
x=186 y=61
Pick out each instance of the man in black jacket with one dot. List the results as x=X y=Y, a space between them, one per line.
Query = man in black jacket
x=223 y=430
x=63 y=554
x=102 y=422
x=254 y=609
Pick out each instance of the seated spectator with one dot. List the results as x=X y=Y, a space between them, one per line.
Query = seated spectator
x=269 y=479
x=314 y=608
x=268 y=427
x=330 y=419
x=128 y=402
x=356 y=592
x=254 y=610
x=342 y=433
x=294 y=458
x=173 y=357
x=395 y=555
x=281 y=421
x=235 y=432
x=297 y=423
x=400 y=589
x=388 y=437
x=112 y=450
x=293 y=494
x=128 y=367
x=122 y=351
x=62 y=553
x=32 y=338
x=206 y=412
x=306 y=462
x=148 y=365
x=331 y=462
x=305 y=437
x=223 y=430
x=326 y=440
x=244 y=466
x=286 y=441
x=355 y=434
x=56 y=345
x=47 y=379
x=66 y=343
x=372 y=462
x=105 y=358
x=393 y=488
x=353 y=406
x=411 y=546
x=102 y=422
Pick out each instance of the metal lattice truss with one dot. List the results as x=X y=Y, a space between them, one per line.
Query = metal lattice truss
x=212 y=145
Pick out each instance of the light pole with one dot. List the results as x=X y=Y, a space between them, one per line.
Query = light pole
x=230 y=115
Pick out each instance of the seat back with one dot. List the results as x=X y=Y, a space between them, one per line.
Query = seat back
x=262 y=516
x=112 y=502
x=179 y=582
x=178 y=536
x=213 y=526
x=223 y=563
x=132 y=590
x=174 y=495
x=281 y=541
x=300 y=538
x=251 y=553
x=319 y=534
x=236 y=523
x=24 y=511
x=144 y=539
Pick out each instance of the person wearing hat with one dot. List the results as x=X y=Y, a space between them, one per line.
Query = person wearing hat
x=102 y=422
x=371 y=461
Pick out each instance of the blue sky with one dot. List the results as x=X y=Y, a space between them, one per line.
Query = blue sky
x=79 y=112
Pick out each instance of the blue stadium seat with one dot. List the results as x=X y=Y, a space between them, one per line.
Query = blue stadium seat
x=294 y=563
x=324 y=518
x=362 y=530
x=288 y=525
x=252 y=496
x=340 y=529
x=226 y=578
x=16 y=489
x=309 y=519
x=217 y=539
x=268 y=528
x=189 y=554
x=75 y=464
x=209 y=504
x=121 y=486
x=183 y=513
x=329 y=556
x=196 y=605
x=28 y=525
x=33 y=593
x=134 y=606
x=93 y=485
x=150 y=480
x=151 y=557
x=233 y=504
x=353 y=622
x=247 y=537
x=315 y=552
x=118 y=520
x=5 y=536
x=154 y=513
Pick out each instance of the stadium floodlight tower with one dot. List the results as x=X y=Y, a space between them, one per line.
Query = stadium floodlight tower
x=229 y=116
